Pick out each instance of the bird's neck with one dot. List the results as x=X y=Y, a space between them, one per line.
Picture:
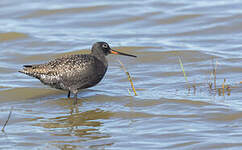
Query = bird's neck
x=101 y=57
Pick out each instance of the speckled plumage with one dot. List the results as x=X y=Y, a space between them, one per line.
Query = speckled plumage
x=73 y=72
x=69 y=72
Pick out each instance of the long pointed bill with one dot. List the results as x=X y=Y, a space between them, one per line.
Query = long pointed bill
x=120 y=53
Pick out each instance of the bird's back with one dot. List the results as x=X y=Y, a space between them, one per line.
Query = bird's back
x=69 y=72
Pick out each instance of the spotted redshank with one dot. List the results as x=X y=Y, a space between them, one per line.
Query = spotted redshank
x=74 y=72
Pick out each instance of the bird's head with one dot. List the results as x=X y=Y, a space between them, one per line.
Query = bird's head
x=104 y=48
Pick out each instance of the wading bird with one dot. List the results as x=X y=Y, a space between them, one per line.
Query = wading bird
x=74 y=72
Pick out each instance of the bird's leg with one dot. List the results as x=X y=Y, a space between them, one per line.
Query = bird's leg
x=69 y=94
x=75 y=92
x=75 y=97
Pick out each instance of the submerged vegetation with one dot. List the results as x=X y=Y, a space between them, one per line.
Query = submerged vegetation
x=6 y=122
x=129 y=78
x=184 y=73
x=223 y=88
x=212 y=85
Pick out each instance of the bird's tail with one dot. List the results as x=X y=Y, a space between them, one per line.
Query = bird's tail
x=29 y=70
x=26 y=69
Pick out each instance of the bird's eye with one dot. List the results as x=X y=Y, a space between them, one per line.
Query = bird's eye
x=105 y=45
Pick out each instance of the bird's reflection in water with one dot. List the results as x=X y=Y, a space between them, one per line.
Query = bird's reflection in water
x=70 y=146
x=83 y=126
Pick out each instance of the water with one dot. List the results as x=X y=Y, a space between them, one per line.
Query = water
x=166 y=114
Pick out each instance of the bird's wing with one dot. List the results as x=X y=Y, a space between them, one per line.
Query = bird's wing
x=64 y=66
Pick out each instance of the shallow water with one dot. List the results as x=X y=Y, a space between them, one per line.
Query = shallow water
x=168 y=113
